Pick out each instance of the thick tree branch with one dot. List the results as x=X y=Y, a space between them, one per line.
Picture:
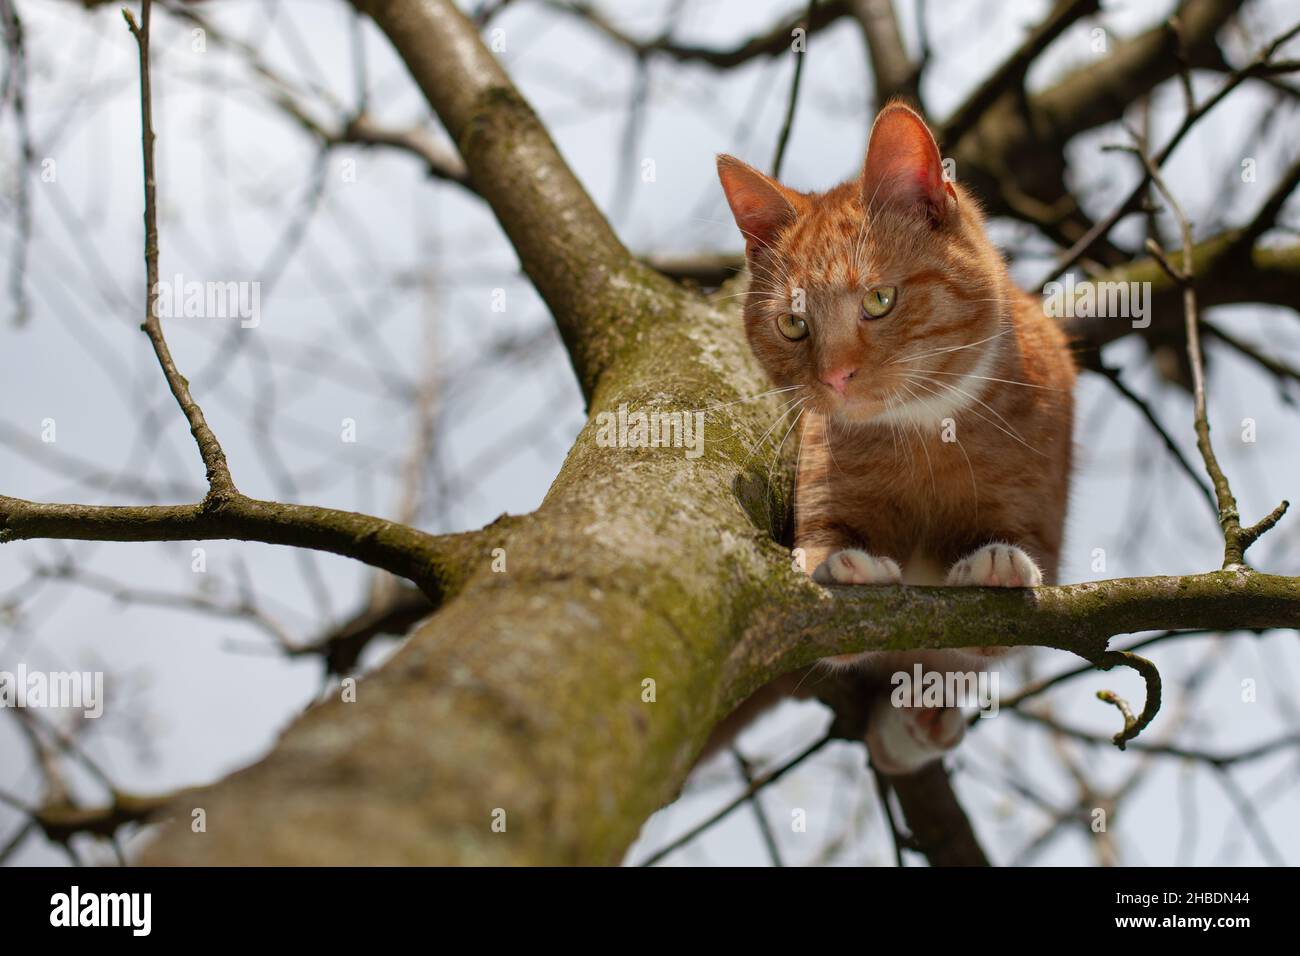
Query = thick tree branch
x=1268 y=275
x=938 y=825
x=1099 y=93
x=593 y=286
x=892 y=69
x=810 y=622
x=1195 y=112
x=1009 y=77
x=1014 y=156
x=569 y=697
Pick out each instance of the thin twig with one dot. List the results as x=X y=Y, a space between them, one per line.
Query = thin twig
x=1172 y=751
x=1085 y=243
x=761 y=781
x=220 y=484
x=760 y=816
x=897 y=838
x=1039 y=687
x=1274 y=365
x=786 y=126
x=15 y=83
x=1113 y=376
x=1151 y=675
x=1236 y=539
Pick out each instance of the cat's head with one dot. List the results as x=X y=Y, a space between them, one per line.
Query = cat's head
x=869 y=294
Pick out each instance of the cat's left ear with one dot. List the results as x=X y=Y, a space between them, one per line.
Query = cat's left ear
x=903 y=169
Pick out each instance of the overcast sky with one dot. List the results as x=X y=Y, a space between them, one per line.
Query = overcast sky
x=395 y=271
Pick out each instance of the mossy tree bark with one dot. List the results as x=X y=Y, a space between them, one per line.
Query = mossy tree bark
x=523 y=700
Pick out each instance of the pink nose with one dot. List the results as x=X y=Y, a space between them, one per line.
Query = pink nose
x=838 y=379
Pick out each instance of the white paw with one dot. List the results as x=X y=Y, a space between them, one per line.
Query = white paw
x=996 y=566
x=852 y=566
x=905 y=739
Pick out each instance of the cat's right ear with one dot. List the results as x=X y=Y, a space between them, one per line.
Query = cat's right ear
x=903 y=168
x=761 y=205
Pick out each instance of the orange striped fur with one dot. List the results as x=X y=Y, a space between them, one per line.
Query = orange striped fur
x=963 y=355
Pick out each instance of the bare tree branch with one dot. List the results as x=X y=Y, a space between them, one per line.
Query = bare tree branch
x=591 y=283
x=1233 y=80
x=893 y=70
x=434 y=562
x=1009 y=77
x=771 y=42
x=220 y=484
x=1236 y=538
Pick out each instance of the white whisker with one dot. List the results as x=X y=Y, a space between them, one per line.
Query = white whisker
x=776 y=459
x=973 y=398
x=934 y=488
x=974 y=485
x=826 y=438
x=751 y=398
x=987 y=378
x=786 y=410
x=1009 y=434
x=950 y=348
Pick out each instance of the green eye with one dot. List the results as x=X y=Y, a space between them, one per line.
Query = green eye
x=877 y=303
x=792 y=327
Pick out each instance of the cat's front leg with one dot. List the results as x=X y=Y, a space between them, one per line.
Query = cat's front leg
x=904 y=739
x=996 y=565
x=854 y=566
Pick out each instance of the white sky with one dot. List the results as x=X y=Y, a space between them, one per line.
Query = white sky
x=192 y=697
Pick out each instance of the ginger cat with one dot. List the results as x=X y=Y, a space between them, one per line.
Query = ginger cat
x=935 y=395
